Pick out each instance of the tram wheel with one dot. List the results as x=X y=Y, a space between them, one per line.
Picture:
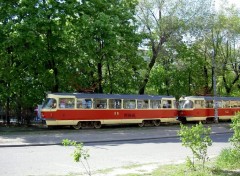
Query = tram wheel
x=141 y=124
x=97 y=124
x=156 y=122
x=78 y=126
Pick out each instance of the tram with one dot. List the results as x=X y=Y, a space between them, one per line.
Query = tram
x=82 y=109
x=202 y=108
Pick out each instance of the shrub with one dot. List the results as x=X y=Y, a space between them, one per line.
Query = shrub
x=197 y=138
x=230 y=158
x=79 y=154
x=235 y=140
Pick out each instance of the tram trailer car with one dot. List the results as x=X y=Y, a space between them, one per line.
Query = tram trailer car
x=202 y=108
x=80 y=109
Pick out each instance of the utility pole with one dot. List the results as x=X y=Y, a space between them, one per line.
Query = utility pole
x=214 y=68
x=214 y=88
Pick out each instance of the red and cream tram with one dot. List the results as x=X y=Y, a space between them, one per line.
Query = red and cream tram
x=202 y=108
x=80 y=109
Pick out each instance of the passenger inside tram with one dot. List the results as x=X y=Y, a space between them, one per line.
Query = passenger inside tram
x=185 y=104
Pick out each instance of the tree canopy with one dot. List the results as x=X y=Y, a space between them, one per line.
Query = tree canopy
x=128 y=46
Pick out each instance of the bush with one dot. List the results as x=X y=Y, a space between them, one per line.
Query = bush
x=197 y=138
x=235 y=140
x=80 y=154
x=230 y=158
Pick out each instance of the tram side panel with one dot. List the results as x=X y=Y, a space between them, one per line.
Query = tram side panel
x=227 y=113
x=193 y=114
x=137 y=116
x=106 y=116
x=72 y=117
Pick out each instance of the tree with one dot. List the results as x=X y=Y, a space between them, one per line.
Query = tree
x=164 y=22
x=62 y=46
x=108 y=29
x=228 y=27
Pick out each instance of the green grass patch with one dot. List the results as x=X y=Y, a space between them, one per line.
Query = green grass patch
x=182 y=170
x=228 y=159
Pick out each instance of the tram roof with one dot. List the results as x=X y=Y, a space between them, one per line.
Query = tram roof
x=209 y=98
x=113 y=96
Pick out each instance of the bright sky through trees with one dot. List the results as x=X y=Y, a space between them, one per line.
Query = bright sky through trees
x=218 y=3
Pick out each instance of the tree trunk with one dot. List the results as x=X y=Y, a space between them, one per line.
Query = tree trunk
x=100 y=88
x=155 y=50
x=8 y=111
x=110 y=78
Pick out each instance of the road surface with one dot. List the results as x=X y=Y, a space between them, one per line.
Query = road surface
x=37 y=155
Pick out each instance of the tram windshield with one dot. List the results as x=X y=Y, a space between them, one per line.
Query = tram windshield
x=50 y=103
x=185 y=104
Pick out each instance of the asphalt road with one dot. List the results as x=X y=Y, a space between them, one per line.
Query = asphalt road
x=40 y=153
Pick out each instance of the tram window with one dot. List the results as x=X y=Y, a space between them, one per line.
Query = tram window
x=54 y=104
x=238 y=103
x=115 y=104
x=226 y=104
x=155 y=104
x=129 y=104
x=50 y=103
x=66 y=103
x=84 y=103
x=209 y=104
x=146 y=104
x=235 y=104
x=185 y=104
x=219 y=104
x=199 y=104
x=142 y=104
x=167 y=103
x=100 y=103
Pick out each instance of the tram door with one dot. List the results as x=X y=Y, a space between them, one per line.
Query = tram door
x=116 y=105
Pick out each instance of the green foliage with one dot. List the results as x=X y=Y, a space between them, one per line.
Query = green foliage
x=197 y=138
x=235 y=140
x=73 y=46
x=228 y=159
x=66 y=46
x=79 y=154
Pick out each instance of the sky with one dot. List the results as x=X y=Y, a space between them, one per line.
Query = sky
x=235 y=2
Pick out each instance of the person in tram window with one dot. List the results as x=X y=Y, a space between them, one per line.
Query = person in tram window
x=70 y=104
x=54 y=104
x=169 y=104
x=62 y=104
x=165 y=105
x=99 y=106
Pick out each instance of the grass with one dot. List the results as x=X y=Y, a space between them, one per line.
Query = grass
x=226 y=164
x=229 y=158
